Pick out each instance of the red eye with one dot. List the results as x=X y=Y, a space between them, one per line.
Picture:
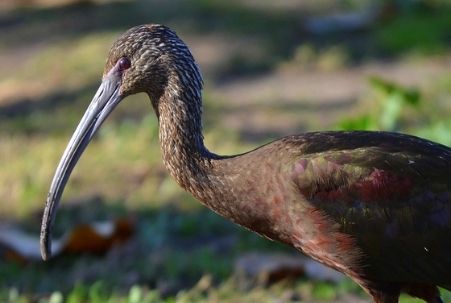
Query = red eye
x=124 y=63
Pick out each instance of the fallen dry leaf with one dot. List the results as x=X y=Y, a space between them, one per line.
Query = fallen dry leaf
x=95 y=238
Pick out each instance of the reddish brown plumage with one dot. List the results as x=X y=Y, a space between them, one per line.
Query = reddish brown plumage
x=373 y=205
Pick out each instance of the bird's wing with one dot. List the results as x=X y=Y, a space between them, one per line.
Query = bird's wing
x=391 y=193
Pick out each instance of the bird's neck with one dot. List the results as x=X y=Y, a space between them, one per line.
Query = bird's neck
x=180 y=134
x=219 y=182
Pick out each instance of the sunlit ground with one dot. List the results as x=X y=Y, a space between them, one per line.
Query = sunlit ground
x=268 y=72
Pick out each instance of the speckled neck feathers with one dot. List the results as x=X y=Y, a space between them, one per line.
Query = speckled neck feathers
x=179 y=111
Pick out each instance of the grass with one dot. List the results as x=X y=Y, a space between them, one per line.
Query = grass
x=421 y=31
x=170 y=250
x=393 y=107
x=181 y=251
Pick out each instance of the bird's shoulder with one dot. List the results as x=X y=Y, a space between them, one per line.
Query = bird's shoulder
x=330 y=141
x=332 y=156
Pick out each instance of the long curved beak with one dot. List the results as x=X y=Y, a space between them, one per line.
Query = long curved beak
x=103 y=103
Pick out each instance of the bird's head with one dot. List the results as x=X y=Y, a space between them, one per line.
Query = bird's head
x=146 y=58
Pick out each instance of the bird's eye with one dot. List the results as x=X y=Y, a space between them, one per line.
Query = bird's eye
x=124 y=63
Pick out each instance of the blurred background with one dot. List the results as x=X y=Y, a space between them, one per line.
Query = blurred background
x=127 y=232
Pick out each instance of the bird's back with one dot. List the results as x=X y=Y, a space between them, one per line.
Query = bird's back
x=385 y=198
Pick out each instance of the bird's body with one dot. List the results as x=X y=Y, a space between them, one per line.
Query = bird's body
x=373 y=205
x=360 y=202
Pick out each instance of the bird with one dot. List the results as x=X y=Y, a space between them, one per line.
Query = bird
x=373 y=205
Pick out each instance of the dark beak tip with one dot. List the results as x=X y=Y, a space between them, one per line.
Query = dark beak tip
x=45 y=246
x=45 y=254
x=45 y=241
